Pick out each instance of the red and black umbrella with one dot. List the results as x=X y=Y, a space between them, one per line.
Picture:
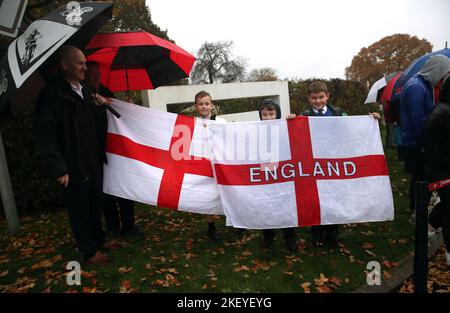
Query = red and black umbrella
x=138 y=60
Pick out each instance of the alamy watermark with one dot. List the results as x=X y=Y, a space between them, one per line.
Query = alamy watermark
x=373 y=278
x=74 y=276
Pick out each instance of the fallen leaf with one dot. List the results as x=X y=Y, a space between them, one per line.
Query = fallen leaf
x=305 y=287
x=88 y=274
x=335 y=281
x=124 y=270
x=324 y=289
x=320 y=281
x=189 y=244
x=241 y=268
x=389 y=264
x=126 y=287
x=367 y=245
x=89 y=290
x=370 y=252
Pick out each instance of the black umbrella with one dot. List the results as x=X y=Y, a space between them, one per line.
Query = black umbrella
x=76 y=24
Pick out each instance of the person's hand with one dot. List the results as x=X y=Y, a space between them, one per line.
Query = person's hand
x=102 y=100
x=375 y=115
x=64 y=180
x=291 y=116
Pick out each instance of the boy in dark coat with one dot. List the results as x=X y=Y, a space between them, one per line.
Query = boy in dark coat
x=269 y=110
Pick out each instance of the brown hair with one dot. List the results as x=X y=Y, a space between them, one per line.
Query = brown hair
x=316 y=87
x=201 y=94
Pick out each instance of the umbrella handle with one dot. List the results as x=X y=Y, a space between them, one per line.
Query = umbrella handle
x=113 y=111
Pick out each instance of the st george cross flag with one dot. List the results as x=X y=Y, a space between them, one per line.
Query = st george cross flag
x=306 y=171
x=161 y=159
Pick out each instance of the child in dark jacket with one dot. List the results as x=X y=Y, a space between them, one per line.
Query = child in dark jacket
x=269 y=110
x=318 y=96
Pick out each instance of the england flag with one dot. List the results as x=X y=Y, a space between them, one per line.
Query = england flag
x=301 y=172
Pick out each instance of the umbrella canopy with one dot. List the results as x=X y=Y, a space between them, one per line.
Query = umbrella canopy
x=138 y=60
x=379 y=86
x=387 y=91
x=414 y=68
x=27 y=53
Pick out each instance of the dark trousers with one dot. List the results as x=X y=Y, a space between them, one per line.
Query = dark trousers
x=440 y=215
x=84 y=202
x=118 y=211
x=325 y=232
x=413 y=159
x=269 y=234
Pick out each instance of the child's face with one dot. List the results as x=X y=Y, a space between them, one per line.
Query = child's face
x=204 y=106
x=267 y=114
x=318 y=99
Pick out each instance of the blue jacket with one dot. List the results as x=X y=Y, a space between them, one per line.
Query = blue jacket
x=416 y=104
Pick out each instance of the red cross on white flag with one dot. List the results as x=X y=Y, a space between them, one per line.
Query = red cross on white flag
x=307 y=171
x=161 y=159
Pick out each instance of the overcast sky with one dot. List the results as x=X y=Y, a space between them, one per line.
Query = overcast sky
x=304 y=39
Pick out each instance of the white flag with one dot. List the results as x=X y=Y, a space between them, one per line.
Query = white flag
x=306 y=171
x=159 y=158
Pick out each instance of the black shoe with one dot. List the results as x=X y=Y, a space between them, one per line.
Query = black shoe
x=291 y=245
x=317 y=240
x=212 y=234
x=113 y=234
x=240 y=232
x=331 y=236
x=266 y=243
x=135 y=231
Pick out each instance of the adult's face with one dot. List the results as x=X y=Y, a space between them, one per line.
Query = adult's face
x=93 y=75
x=74 y=65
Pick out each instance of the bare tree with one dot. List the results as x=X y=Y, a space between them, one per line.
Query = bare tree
x=262 y=74
x=215 y=64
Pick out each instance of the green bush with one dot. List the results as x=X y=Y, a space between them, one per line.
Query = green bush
x=33 y=191
x=348 y=95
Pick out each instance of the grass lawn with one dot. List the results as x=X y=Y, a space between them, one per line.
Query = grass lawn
x=175 y=255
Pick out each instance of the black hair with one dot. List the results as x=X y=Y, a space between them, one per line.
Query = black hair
x=270 y=105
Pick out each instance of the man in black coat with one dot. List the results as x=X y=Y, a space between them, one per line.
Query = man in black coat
x=119 y=212
x=71 y=144
x=437 y=161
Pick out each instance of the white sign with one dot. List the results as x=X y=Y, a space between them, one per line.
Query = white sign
x=11 y=14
